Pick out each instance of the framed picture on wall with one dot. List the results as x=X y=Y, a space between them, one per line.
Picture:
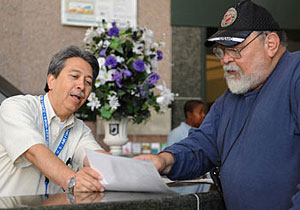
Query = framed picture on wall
x=91 y=12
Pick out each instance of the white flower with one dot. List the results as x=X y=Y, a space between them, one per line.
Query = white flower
x=165 y=98
x=147 y=36
x=101 y=62
x=113 y=101
x=89 y=34
x=148 y=51
x=100 y=30
x=100 y=44
x=109 y=25
x=148 y=68
x=103 y=77
x=155 y=45
x=120 y=59
x=94 y=102
x=154 y=63
x=106 y=43
x=137 y=48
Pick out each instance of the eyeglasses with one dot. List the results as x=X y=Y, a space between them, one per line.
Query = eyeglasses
x=232 y=52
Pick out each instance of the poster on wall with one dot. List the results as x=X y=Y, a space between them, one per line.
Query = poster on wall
x=91 y=12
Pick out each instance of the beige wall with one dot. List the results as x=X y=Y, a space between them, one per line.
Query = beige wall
x=31 y=31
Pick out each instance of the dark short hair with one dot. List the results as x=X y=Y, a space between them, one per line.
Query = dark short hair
x=58 y=61
x=190 y=105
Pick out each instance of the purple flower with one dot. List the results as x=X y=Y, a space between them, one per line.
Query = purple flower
x=117 y=77
x=152 y=79
x=111 y=61
x=142 y=92
x=102 y=52
x=114 y=31
x=159 y=55
x=118 y=82
x=139 y=65
x=127 y=73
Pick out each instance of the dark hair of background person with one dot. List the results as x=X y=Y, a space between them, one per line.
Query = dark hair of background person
x=58 y=61
x=190 y=105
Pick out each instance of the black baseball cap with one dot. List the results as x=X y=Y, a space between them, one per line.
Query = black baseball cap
x=239 y=21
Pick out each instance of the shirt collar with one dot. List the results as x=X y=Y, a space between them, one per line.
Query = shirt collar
x=185 y=125
x=51 y=113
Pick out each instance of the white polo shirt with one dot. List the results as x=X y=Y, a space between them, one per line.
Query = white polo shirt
x=21 y=126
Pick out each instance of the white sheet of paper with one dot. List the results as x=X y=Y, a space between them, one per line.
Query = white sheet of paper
x=127 y=174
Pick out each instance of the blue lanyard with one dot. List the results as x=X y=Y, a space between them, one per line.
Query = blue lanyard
x=46 y=128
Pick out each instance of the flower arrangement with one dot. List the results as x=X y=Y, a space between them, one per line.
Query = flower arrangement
x=125 y=85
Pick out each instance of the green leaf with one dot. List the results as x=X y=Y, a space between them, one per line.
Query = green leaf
x=121 y=92
x=105 y=113
x=131 y=86
x=145 y=106
x=116 y=44
x=130 y=61
x=125 y=33
x=130 y=107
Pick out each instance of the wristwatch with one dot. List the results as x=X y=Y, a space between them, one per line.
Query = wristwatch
x=71 y=198
x=71 y=184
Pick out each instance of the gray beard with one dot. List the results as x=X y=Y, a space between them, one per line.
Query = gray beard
x=240 y=84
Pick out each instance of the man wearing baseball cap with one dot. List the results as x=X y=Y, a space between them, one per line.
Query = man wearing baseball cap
x=250 y=139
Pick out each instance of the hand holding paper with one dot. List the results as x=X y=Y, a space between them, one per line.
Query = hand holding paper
x=126 y=174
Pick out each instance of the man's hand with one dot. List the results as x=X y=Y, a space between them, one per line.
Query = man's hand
x=163 y=162
x=88 y=180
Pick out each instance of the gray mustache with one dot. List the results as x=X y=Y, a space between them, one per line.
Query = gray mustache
x=78 y=93
x=231 y=68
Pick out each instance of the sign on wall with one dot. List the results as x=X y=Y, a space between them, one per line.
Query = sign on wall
x=91 y=12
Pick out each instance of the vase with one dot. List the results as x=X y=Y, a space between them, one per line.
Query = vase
x=115 y=134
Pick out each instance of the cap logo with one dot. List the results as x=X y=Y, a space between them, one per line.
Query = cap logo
x=229 y=17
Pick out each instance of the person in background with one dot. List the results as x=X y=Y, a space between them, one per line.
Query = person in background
x=250 y=138
x=194 y=112
x=42 y=144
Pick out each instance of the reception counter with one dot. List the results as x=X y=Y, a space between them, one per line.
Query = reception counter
x=115 y=200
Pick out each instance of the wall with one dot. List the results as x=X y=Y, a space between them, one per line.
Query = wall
x=2 y=97
x=31 y=31
x=188 y=69
x=205 y=13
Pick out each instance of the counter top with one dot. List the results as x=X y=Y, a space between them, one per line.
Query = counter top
x=115 y=200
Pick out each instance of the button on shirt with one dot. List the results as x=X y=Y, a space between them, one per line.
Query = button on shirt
x=21 y=127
